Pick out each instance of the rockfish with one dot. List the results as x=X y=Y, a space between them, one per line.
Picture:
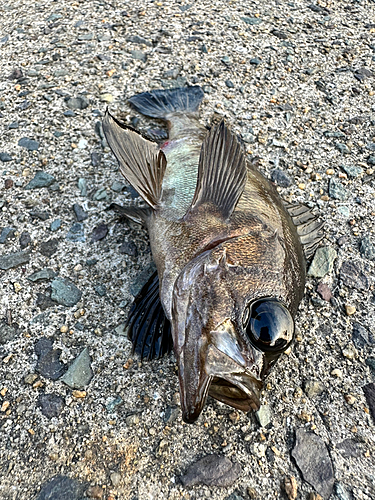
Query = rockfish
x=230 y=254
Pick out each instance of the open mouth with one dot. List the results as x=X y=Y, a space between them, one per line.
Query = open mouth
x=243 y=396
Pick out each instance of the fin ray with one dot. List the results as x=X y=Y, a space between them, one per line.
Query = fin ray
x=141 y=162
x=164 y=102
x=309 y=228
x=221 y=172
x=148 y=328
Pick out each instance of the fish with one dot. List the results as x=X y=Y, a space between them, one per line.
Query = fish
x=230 y=254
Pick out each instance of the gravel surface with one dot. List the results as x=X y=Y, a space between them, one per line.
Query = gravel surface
x=79 y=416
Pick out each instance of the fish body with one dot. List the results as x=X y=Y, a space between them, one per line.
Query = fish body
x=229 y=255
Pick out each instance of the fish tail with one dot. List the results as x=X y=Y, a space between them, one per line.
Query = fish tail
x=164 y=103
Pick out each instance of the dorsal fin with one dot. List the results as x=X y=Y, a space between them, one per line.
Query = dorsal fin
x=141 y=162
x=309 y=228
x=221 y=172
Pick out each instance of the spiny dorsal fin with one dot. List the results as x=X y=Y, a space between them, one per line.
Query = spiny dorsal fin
x=221 y=172
x=309 y=228
x=141 y=162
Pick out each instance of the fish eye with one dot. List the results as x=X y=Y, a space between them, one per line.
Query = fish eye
x=270 y=325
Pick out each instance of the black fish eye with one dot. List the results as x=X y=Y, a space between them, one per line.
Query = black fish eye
x=270 y=325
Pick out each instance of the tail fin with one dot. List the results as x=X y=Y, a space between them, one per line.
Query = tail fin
x=161 y=103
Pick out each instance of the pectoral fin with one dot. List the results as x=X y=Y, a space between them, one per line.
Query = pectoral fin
x=148 y=328
x=141 y=162
x=221 y=172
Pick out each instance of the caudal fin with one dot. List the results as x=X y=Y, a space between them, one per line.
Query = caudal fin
x=161 y=103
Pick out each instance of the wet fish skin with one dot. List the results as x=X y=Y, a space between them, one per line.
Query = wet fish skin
x=222 y=241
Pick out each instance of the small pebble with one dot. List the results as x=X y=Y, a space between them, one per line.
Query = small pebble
x=350 y=399
x=349 y=309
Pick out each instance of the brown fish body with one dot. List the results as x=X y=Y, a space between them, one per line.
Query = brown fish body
x=222 y=241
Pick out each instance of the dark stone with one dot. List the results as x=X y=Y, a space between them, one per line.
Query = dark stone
x=43 y=274
x=76 y=233
x=212 y=470
x=370 y=160
x=95 y=158
x=29 y=144
x=349 y=448
x=279 y=34
x=336 y=190
x=61 y=488
x=51 y=405
x=128 y=248
x=91 y=262
x=361 y=336
x=37 y=214
x=139 y=55
x=64 y=292
x=69 y=113
x=252 y=20
x=4 y=157
x=229 y=84
x=49 y=247
x=352 y=170
x=7 y=332
x=343 y=148
x=43 y=346
x=49 y=364
x=80 y=213
x=255 y=61
x=16 y=74
x=77 y=102
x=101 y=290
x=352 y=276
x=8 y=183
x=41 y=179
x=133 y=193
x=6 y=234
x=44 y=301
x=55 y=225
x=367 y=249
x=99 y=232
x=280 y=178
x=313 y=460
x=139 y=40
x=13 y=260
x=79 y=373
x=369 y=391
x=25 y=105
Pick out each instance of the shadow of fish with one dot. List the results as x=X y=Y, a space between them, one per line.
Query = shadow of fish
x=230 y=255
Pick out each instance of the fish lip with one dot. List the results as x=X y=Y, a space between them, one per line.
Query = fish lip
x=239 y=390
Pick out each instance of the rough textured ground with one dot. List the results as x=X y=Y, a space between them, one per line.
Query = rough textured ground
x=295 y=79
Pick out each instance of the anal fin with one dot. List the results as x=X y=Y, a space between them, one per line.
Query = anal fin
x=148 y=328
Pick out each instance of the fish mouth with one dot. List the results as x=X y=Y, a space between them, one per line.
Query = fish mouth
x=243 y=396
x=222 y=378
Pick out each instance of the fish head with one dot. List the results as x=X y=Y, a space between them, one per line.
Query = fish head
x=230 y=323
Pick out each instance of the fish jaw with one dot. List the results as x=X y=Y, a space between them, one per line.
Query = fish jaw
x=218 y=368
